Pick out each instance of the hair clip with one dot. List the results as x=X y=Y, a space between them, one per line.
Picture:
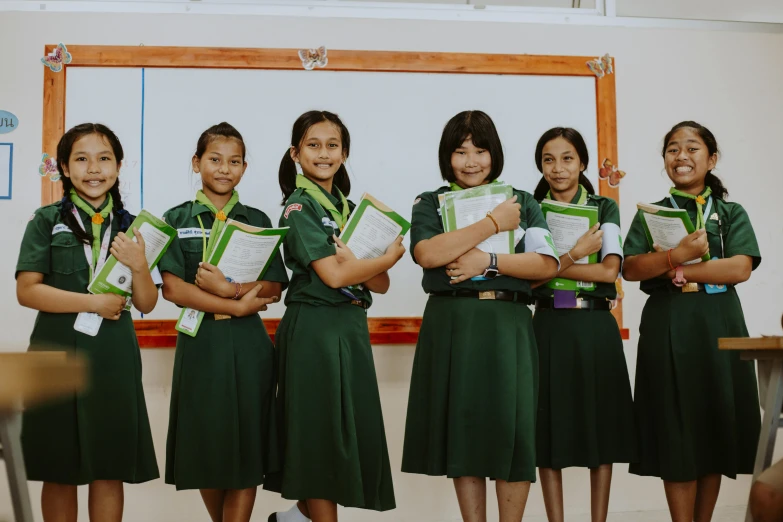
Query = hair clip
x=57 y=58
x=312 y=58
x=610 y=173
x=48 y=167
x=601 y=66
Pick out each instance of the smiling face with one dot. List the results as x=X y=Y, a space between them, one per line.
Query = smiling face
x=471 y=165
x=92 y=168
x=221 y=166
x=687 y=160
x=561 y=165
x=320 y=153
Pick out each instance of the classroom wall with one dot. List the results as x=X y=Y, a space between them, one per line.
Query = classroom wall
x=728 y=81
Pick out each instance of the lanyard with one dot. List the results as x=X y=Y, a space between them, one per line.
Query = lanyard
x=94 y=269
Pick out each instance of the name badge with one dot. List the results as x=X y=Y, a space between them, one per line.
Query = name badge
x=185 y=233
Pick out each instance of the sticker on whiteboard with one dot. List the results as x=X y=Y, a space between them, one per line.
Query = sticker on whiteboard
x=48 y=167
x=601 y=66
x=57 y=58
x=6 y=169
x=8 y=122
x=312 y=58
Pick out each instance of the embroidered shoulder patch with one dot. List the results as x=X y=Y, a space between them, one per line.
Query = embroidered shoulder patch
x=292 y=207
x=416 y=200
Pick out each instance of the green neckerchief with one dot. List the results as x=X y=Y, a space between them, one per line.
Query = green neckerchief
x=580 y=196
x=97 y=219
x=317 y=193
x=454 y=187
x=701 y=199
x=219 y=223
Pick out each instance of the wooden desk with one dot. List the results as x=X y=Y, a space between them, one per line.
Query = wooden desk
x=27 y=379
x=763 y=349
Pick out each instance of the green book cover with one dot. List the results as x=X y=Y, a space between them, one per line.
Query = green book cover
x=463 y=208
x=567 y=223
x=244 y=252
x=114 y=277
x=372 y=227
x=666 y=227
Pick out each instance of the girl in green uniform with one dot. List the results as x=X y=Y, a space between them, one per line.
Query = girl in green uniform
x=585 y=409
x=101 y=437
x=696 y=406
x=221 y=399
x=332 y=434
x=472 y=404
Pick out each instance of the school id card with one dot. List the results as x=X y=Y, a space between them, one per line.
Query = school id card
x=189 y=321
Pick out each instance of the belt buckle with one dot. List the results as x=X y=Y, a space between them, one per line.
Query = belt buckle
x=487 y=294
x=357 y=302
x=690 y=287
x=579 y=301
x=220 y=317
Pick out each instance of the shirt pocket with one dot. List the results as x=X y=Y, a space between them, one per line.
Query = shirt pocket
x=192 y=250
x=714 y=233
x=68 y=254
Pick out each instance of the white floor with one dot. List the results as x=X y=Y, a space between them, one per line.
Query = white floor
x=725 y=514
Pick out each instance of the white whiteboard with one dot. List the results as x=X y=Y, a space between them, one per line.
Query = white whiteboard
x=395 y=121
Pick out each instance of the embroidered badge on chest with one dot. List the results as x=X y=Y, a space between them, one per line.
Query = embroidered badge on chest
x=291 y=208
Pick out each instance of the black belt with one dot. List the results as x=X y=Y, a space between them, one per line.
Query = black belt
x=581 y=304
x=497 y=295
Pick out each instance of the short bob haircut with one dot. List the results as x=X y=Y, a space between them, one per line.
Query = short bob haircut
x=477 y=126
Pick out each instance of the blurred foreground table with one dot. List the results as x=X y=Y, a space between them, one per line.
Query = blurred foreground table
x=769 y=352
x=27 y=379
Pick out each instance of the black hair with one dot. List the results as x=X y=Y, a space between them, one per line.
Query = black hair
x=64 y=148
x=711 y=180
x=221 y=130
x=573 y=137
x=477 y=126
x=287 y=173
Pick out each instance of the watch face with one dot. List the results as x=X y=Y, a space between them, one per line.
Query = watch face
x=490 y=273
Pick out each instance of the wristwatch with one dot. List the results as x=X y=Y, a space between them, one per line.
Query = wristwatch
x=492 y=270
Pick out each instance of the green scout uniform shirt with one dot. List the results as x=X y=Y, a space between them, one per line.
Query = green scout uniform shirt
x=609 y=217
x=50 y=248
x=735 y=227
x=186 y=251
x=426 y=223
x=310 y=239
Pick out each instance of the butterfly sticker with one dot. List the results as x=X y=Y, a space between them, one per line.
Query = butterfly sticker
x=610 y=173
x=601 y=66
x=312 y=58
x=49 y=167
x=57 y=58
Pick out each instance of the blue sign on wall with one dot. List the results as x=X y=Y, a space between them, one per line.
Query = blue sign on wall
x=8 y=122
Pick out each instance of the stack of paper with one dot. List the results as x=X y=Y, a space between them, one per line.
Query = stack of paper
x=568 y=223
x=666 y=227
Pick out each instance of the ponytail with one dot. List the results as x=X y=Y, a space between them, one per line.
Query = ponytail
x=287 y=176
x=67 y=216
x=714 y=182
x=541 y=189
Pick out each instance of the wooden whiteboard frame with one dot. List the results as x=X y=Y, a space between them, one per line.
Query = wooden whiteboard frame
x=386 y=330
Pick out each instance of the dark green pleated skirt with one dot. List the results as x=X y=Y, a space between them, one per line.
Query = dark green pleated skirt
x=585 y=408
x=102 y=433
x=472 y=403
x=331 y=426
x=221 y=406
x=696 y=406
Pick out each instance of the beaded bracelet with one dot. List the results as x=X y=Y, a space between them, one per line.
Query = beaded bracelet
x=238 y=290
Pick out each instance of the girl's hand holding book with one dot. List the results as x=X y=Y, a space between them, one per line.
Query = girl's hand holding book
x=108 y=306
x=210 y=279
x=252 y=304
x=506 y=215
x=129 y=252
x=395 y=251
x=342 y=251
x=590 y=243
x=693 y=246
